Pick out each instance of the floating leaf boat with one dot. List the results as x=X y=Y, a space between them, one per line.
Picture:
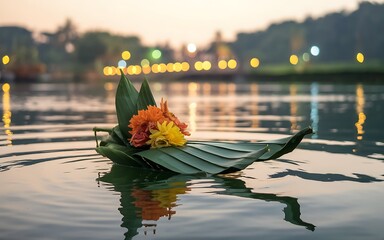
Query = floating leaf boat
x=210 y=157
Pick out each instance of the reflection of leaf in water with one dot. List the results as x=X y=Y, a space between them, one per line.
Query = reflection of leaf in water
x=326 y=177
x=148 y=195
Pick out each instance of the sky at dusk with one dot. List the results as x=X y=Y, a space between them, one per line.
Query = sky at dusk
x=168 y=21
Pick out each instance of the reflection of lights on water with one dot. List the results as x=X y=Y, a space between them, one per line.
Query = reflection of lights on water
x=192 y=93
x=360 y=102
x=192 y=117
x=314 y=109
x=360 y=57
x=192 y=89
x=293 y=59
x=315 y=51
x=108 y=86
x=7 y=114
x=293 y=106
x=255 y=106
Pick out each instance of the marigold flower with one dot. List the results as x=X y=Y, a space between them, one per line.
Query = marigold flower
x=167 y=114
x=142 y=123
x=166 y=134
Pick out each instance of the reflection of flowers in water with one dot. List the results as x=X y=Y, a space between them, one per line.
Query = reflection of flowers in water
x=147 y=196
x=154 y=204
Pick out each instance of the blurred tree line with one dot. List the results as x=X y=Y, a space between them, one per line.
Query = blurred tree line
x=339 y=37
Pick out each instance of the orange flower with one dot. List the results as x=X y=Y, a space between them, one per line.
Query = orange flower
x=142 y=123
x=172 y=118
x=150 y=119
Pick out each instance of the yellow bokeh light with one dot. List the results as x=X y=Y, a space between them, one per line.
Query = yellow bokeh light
x=163 y=67
x=6 y=87
x=137 y=69
x=207 y=65
x=198 y=66
x=222 y=64
x=106 y=70
x=255 y=62
x=177 y=67
x=6 y=59
x=112 y=71
x=134 y=70
x=146 y=69
x=232 y=64
x=185 y=66
x=360 y=57
x=155 y=68
x=170 y=67
x=293 y=59
x=126 y=55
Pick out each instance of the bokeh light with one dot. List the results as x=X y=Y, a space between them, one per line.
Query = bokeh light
x=156 y=54
x=155 y=68
x=191 y=47
x=222 y=64
x=360 y=57
x=6 y=87
x=293 y=59
x=315 y=50
x=144 y=62
x=306 y=57
x=255 y=62
x=6 y=59
x=170 y=67
x=232 y=64
x=185 y=66
x=163 y=67
x=198 y=65
x=146 y=69
x=177 y=67
x=126 y=55
x=207 y=65
x=122 y=64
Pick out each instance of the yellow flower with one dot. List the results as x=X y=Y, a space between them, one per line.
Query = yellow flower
x=166 y=134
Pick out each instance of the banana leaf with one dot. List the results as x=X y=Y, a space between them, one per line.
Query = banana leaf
x=201 y=156
x=195 y=157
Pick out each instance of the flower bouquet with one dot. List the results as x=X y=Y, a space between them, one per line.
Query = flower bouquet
x=148 y=136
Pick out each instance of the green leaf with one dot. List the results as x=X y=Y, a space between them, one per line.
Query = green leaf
x=202 y=156
x=126 y=98
x=145 y=98
x=195 y=158
x=121 y=155
x=283 y=146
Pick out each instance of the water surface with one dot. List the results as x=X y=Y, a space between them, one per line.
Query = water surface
x=55 y=186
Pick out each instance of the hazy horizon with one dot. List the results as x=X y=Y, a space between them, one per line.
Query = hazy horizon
x=169 y=21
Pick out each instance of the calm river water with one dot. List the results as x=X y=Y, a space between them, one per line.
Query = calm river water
x=55 y=186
